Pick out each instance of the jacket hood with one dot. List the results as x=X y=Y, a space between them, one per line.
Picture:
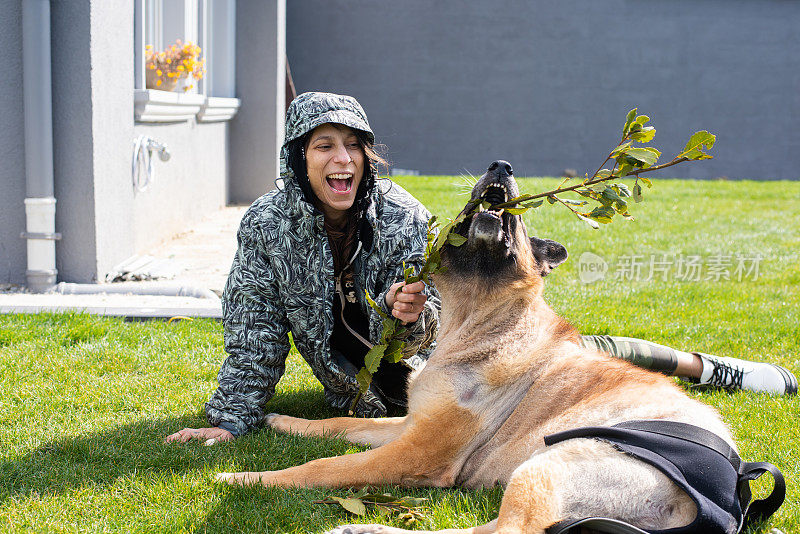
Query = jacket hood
x=310 y=110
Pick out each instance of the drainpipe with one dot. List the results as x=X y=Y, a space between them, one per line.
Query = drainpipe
x=40 y=204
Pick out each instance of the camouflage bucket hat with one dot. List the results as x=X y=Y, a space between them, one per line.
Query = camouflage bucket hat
x=310 y=110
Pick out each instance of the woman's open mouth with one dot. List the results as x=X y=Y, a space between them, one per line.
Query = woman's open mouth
x=340 y=183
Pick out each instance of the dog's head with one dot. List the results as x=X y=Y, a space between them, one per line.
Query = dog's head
x=498 y=248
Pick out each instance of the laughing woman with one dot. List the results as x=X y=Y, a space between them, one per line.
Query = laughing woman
x=307 y=253
x=309 y=250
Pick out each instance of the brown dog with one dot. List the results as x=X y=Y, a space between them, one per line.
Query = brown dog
x=506 y=372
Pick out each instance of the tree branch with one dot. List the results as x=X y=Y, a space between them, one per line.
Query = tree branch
x=592 y=182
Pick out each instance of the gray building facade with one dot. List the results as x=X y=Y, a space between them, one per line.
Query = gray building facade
x=448 y=85
x=452 y=85
x=101 y=107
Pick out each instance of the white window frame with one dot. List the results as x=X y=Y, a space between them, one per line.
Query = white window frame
x=209 y=23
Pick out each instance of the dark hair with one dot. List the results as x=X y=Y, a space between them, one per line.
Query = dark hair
x=297 y=162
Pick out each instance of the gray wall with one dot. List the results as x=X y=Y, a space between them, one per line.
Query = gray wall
x=256 y=133
x=12 y=147
x=187 y=187
x=451 y=85
x=101 y=219
x=75 y=130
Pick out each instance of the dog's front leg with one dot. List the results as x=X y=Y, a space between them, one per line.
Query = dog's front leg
x=412 y=460
x=373 y=432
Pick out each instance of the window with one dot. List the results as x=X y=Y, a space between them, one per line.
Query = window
x=211 y=24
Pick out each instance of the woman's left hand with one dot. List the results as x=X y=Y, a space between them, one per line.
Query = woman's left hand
x=408 y=303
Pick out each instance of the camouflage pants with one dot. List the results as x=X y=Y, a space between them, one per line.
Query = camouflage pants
x=637 y=351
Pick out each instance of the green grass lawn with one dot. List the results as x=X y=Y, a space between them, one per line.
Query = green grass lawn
x=86 y=401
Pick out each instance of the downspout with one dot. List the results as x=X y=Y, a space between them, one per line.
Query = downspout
x=40 y=203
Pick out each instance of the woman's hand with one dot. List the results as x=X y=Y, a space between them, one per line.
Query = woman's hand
x=208 y=434
x=408 y=303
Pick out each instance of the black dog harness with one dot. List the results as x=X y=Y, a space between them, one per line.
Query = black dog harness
x=699 y=462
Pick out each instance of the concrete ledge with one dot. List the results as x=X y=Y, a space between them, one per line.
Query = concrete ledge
x=152 y=105
x=130 y=306
x=217 y=109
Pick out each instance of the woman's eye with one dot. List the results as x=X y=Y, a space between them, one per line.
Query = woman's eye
x=354 y=146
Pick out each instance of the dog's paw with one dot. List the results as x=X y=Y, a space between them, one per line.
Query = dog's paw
x=271 y=417
x=358 y=529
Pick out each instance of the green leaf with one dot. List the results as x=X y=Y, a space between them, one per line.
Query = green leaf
x=611 y=194
x=373 y=357
x=379 y=497
x=408 y=271
x=588 y=221
x=601 y=214
x=622 y=147
x=623 y=170
x=354 y=506
x=364 y=379
x=637 y=193
x=441 y=239
x=647 y=182
x=456 y=239
x=647 y=156
x=374 y=305
x=551 y=199
x=574 y=202
x=603 y=173
x=412 y=502
x=516 y=211
x=534 y=204
x=645 y=135
x=622 y=190
x=628 y=121
x=694 y=148
x=394 y=351
x=389 y=326
x=641 y=120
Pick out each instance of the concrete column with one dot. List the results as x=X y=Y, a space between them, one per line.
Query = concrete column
x=256 y=133
x=93 y=134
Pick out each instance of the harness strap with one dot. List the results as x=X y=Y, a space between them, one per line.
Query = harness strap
x=752 y=512
x=747 y=471
x=761 y=508
x=687 y=432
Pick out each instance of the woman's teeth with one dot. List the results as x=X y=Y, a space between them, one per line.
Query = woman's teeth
x=340 y=182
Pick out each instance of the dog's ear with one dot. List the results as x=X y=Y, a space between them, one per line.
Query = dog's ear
x=549 y=254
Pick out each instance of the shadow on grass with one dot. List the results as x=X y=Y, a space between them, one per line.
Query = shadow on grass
x=136 y=451
x=98 y=458
x=102 y=457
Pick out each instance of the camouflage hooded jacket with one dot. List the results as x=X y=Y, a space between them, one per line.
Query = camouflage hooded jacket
x=282 y=280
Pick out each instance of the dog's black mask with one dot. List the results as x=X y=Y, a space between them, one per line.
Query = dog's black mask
x=496 y=239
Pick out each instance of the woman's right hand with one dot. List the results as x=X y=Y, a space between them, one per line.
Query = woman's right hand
x=212 y=433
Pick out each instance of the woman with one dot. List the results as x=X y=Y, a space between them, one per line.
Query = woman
x=307 y=253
